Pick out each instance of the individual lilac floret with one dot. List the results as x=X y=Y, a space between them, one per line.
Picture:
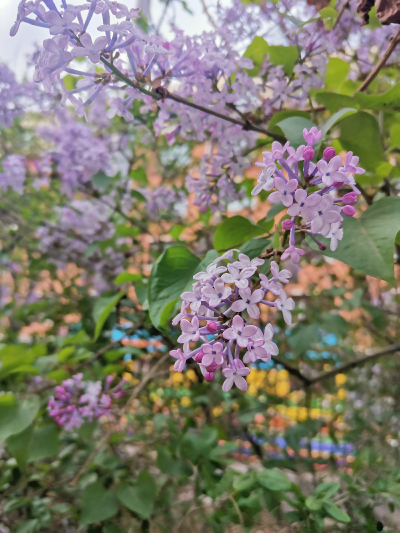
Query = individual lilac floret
x=76 y=401
x=215 y=335
x=284 y=192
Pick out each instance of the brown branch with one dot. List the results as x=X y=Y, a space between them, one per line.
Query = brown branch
x=293 y=371
x=342 y=9
x=135 y=393
x=162 y=93
x=207 y=14
x=372 y=75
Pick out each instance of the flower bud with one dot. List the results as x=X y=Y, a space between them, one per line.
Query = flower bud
x=287 y=224
x=349 y=198
x=322 y=246
x=308 y=153
x=209 y=376
x=337 y=184
x=212 y=327
x=199 y=357
x=348 y=210
x=212 y=368
x=329 y=153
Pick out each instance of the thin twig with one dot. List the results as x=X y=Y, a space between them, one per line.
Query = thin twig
x=344 y=6
x=136 y=391
x=165 y=94
x=372 y=75
x=238 y=511
x=207 y=14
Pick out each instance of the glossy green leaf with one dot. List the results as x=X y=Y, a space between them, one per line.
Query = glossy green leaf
x=255 y=247
x=313 y=504
x=45 y=443
x=13 y=357
x=235 y=231
x=172 y=271
x=293 y=129
x=14 y=418
x=335 y=101
x=97 y=504
x=327 y=489
x=274 y=210
x=102 y=309
x=286 y=56
x=368 y=241
x=368 y=146
x=337 y=72
x=139 y=497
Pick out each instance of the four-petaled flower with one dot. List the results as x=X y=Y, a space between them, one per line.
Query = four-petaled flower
x=265 y=180
x=90 y=49
x=235 y=377
x=217 y=293
x=211 y=271
x=283 y=194
x=326 y=214
x=212 y=353
x=245 y=262
x=237 y=277
x=255 y=351
x=180 y=357
x=60 y=24
x=249 y=302
x=270 y=346
x=55 y=47
x=270 y=284
x=239 y=331
x=335 y=234
x=312 y=136
x=190 y=331
x=283 y=275
x=285 y=305
x=193 y=297
x=330 y=171
x=294 y=254
x=305 y=205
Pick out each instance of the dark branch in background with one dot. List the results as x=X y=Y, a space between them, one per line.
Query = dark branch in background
x=342 y=9
x=162 y=94
x=374 y=354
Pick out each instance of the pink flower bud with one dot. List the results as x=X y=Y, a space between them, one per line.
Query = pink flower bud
x=348 y=211
x=212 y=368
x=321 y=246
x=337 y=184
x=199 y=357
x=349 y=198
x=329 y=153
x=287 y=224
x=212 y=327
x=209 y=376
x=308 y=153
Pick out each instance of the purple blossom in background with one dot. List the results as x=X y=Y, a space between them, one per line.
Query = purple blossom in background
x=77 y=401
x=14 y=173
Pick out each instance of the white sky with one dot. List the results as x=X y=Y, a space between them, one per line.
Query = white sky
x=13 y=50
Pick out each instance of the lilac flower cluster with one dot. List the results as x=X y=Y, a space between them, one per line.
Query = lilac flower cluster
x=14 y=173
x=162 y=200
x=14 y=96
x=219 y=297
x=77 y=401
x=310 y=195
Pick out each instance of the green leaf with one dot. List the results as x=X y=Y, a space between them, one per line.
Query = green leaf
x=335 y=512
x=29 y=526
x=127 y=231
x=102 y=310
x=140 y=497
x=245 y=482
x=138 y=195
x=126 y=277
x=139 y=175
x=313 y=504
x=65 y=353
x=336 y=73
x=368 y=146
x=19 y=444
x=334 y=101
x=273 y=480
x=98 y=504
x=286 y=56
x=235 y=231
x=293 y=129
x=388 y=99
x=45 y=443
x=172 y=271
x=101 y=181
x=176 y=230
x=368 y=241
x=335 y=118
x=13 y=357
x=255 y=247
x=274 y=210
x=167 y=464
x=302 y=336
x=327 y=489
x=15 y=418
x=286 y=113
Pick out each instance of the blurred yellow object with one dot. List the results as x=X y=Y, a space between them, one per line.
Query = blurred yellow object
x=176 y=379
x=282 y=387
x=186 y=401
x=302 y=414
x=340 y=379
x=283 y=375
x=341 y=394
x=191 y=374
x=252 y=390
x=217 y=411
x=327 y=367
